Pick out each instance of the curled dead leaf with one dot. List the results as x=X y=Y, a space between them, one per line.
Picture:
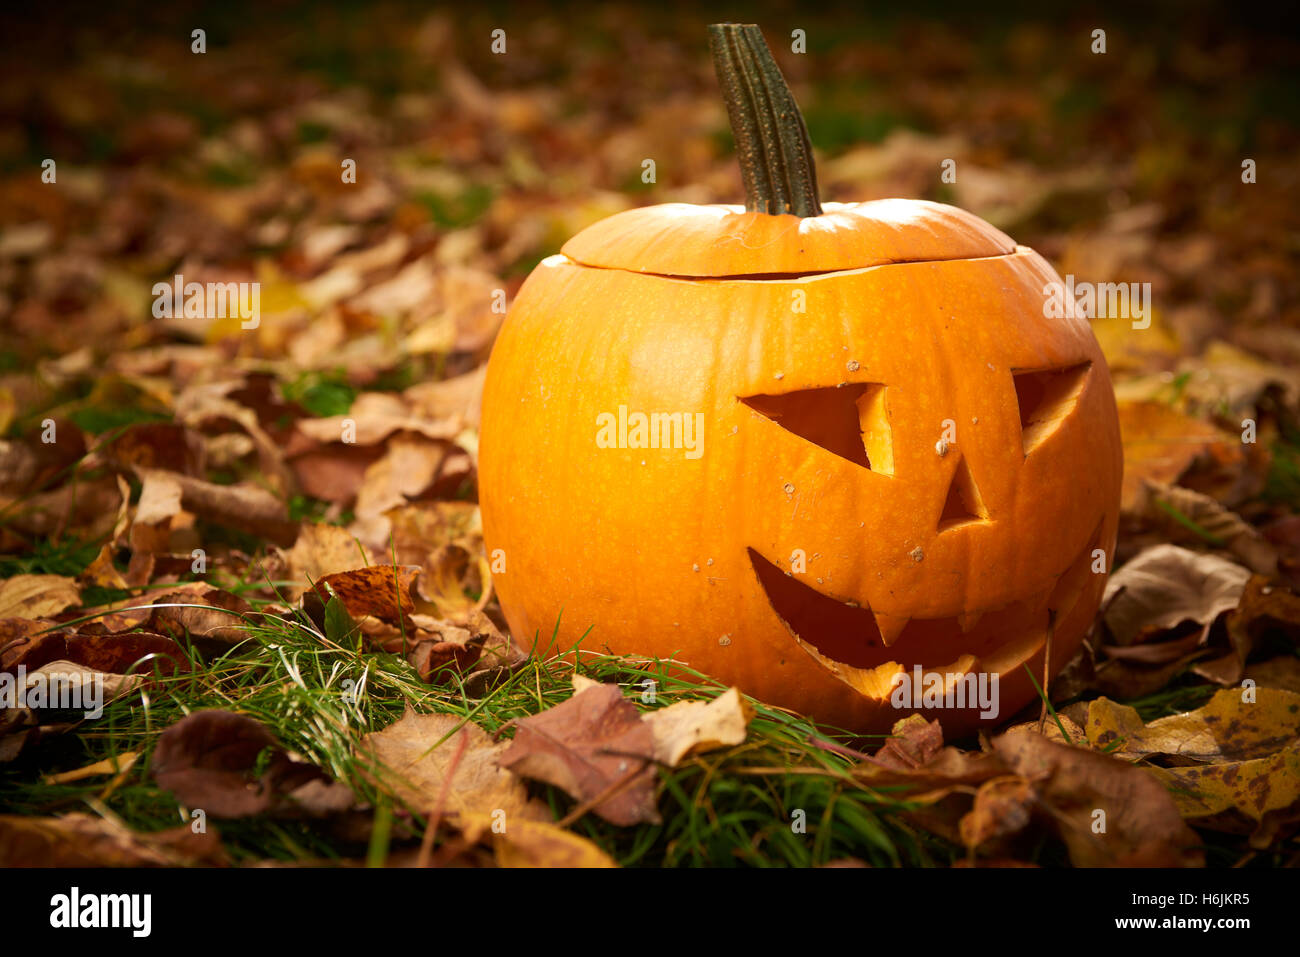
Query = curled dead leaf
x=1107 y=812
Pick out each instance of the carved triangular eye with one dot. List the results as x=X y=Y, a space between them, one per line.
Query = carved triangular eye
x=1046 y=397
x=963 y=504
x=849 y=421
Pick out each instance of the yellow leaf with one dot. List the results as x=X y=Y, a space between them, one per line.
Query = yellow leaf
x=523 y=843
x=37 y=596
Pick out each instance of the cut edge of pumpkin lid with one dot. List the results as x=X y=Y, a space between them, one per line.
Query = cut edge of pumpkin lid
x=687 y=241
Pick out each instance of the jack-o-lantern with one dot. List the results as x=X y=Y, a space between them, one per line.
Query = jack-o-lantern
x=803 y=449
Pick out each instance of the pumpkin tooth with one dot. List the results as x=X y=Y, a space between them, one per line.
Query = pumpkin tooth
x=891 y=626
x=879 y=682
x=968 y=619
x=874 y=682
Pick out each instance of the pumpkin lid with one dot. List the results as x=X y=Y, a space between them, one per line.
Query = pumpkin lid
x=683 y=240
x=783 y=229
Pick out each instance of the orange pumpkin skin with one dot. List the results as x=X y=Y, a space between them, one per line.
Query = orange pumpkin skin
x=783 y=559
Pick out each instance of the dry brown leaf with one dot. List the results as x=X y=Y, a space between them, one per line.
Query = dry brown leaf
x=593 y=744
x=421 y=528
x=1232 y=381
x=210 y=617
x=322 y=550
x=158 y=446
x=1142 y=827
x=204 y=403
x=452 y=570
x=1264 y=609
x=1281 y=672
x=332 y=473
x=913 y=742
x=245 y=507
x=56 y=698
x=409 y=466
x=1052 y=731
x=210 y=760
x=1224 y=527
x=381 y=591
x=136 y=652
x=1003 y=808
x=452 y=400
x=160 y=497
x=375 y=416
x=79 y=840
x=1128 y=679
x=442 y=646
x=1165 y=586
x=949 y=768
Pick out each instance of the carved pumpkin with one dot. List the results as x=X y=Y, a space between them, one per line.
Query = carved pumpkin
x=899 y=460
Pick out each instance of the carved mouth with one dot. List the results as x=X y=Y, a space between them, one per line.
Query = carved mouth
x=865 y=649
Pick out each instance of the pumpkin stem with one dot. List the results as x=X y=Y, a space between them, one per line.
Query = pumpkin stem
x=771 y=139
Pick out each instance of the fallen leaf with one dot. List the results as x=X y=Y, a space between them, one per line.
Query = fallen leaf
x=82 y=689
x=102 y=573
x=332 y=473
x=451 y=571
x=1225 y=729
x=939 y=790
x=211 y=760
x=240 y=506
x=380 y=591
x=1003 y=808
x=409 y=466
x=1052 y=731
x=1266 y=610
x=913 y=743
x=1260 y=797
x=79 y=840
x=1161 y=443
x=163 y=447
x=1171 y=509
x=591 y=744
x=322 y=550
x=1231 y=381
x=209 y=616
x=37 y=596
x=375 y=416
x=118 y=653
x=527 y=843
x=1165 y=586
x=1142 y=825
x=424 y=750
x=1280 y=672
x=692 y=727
